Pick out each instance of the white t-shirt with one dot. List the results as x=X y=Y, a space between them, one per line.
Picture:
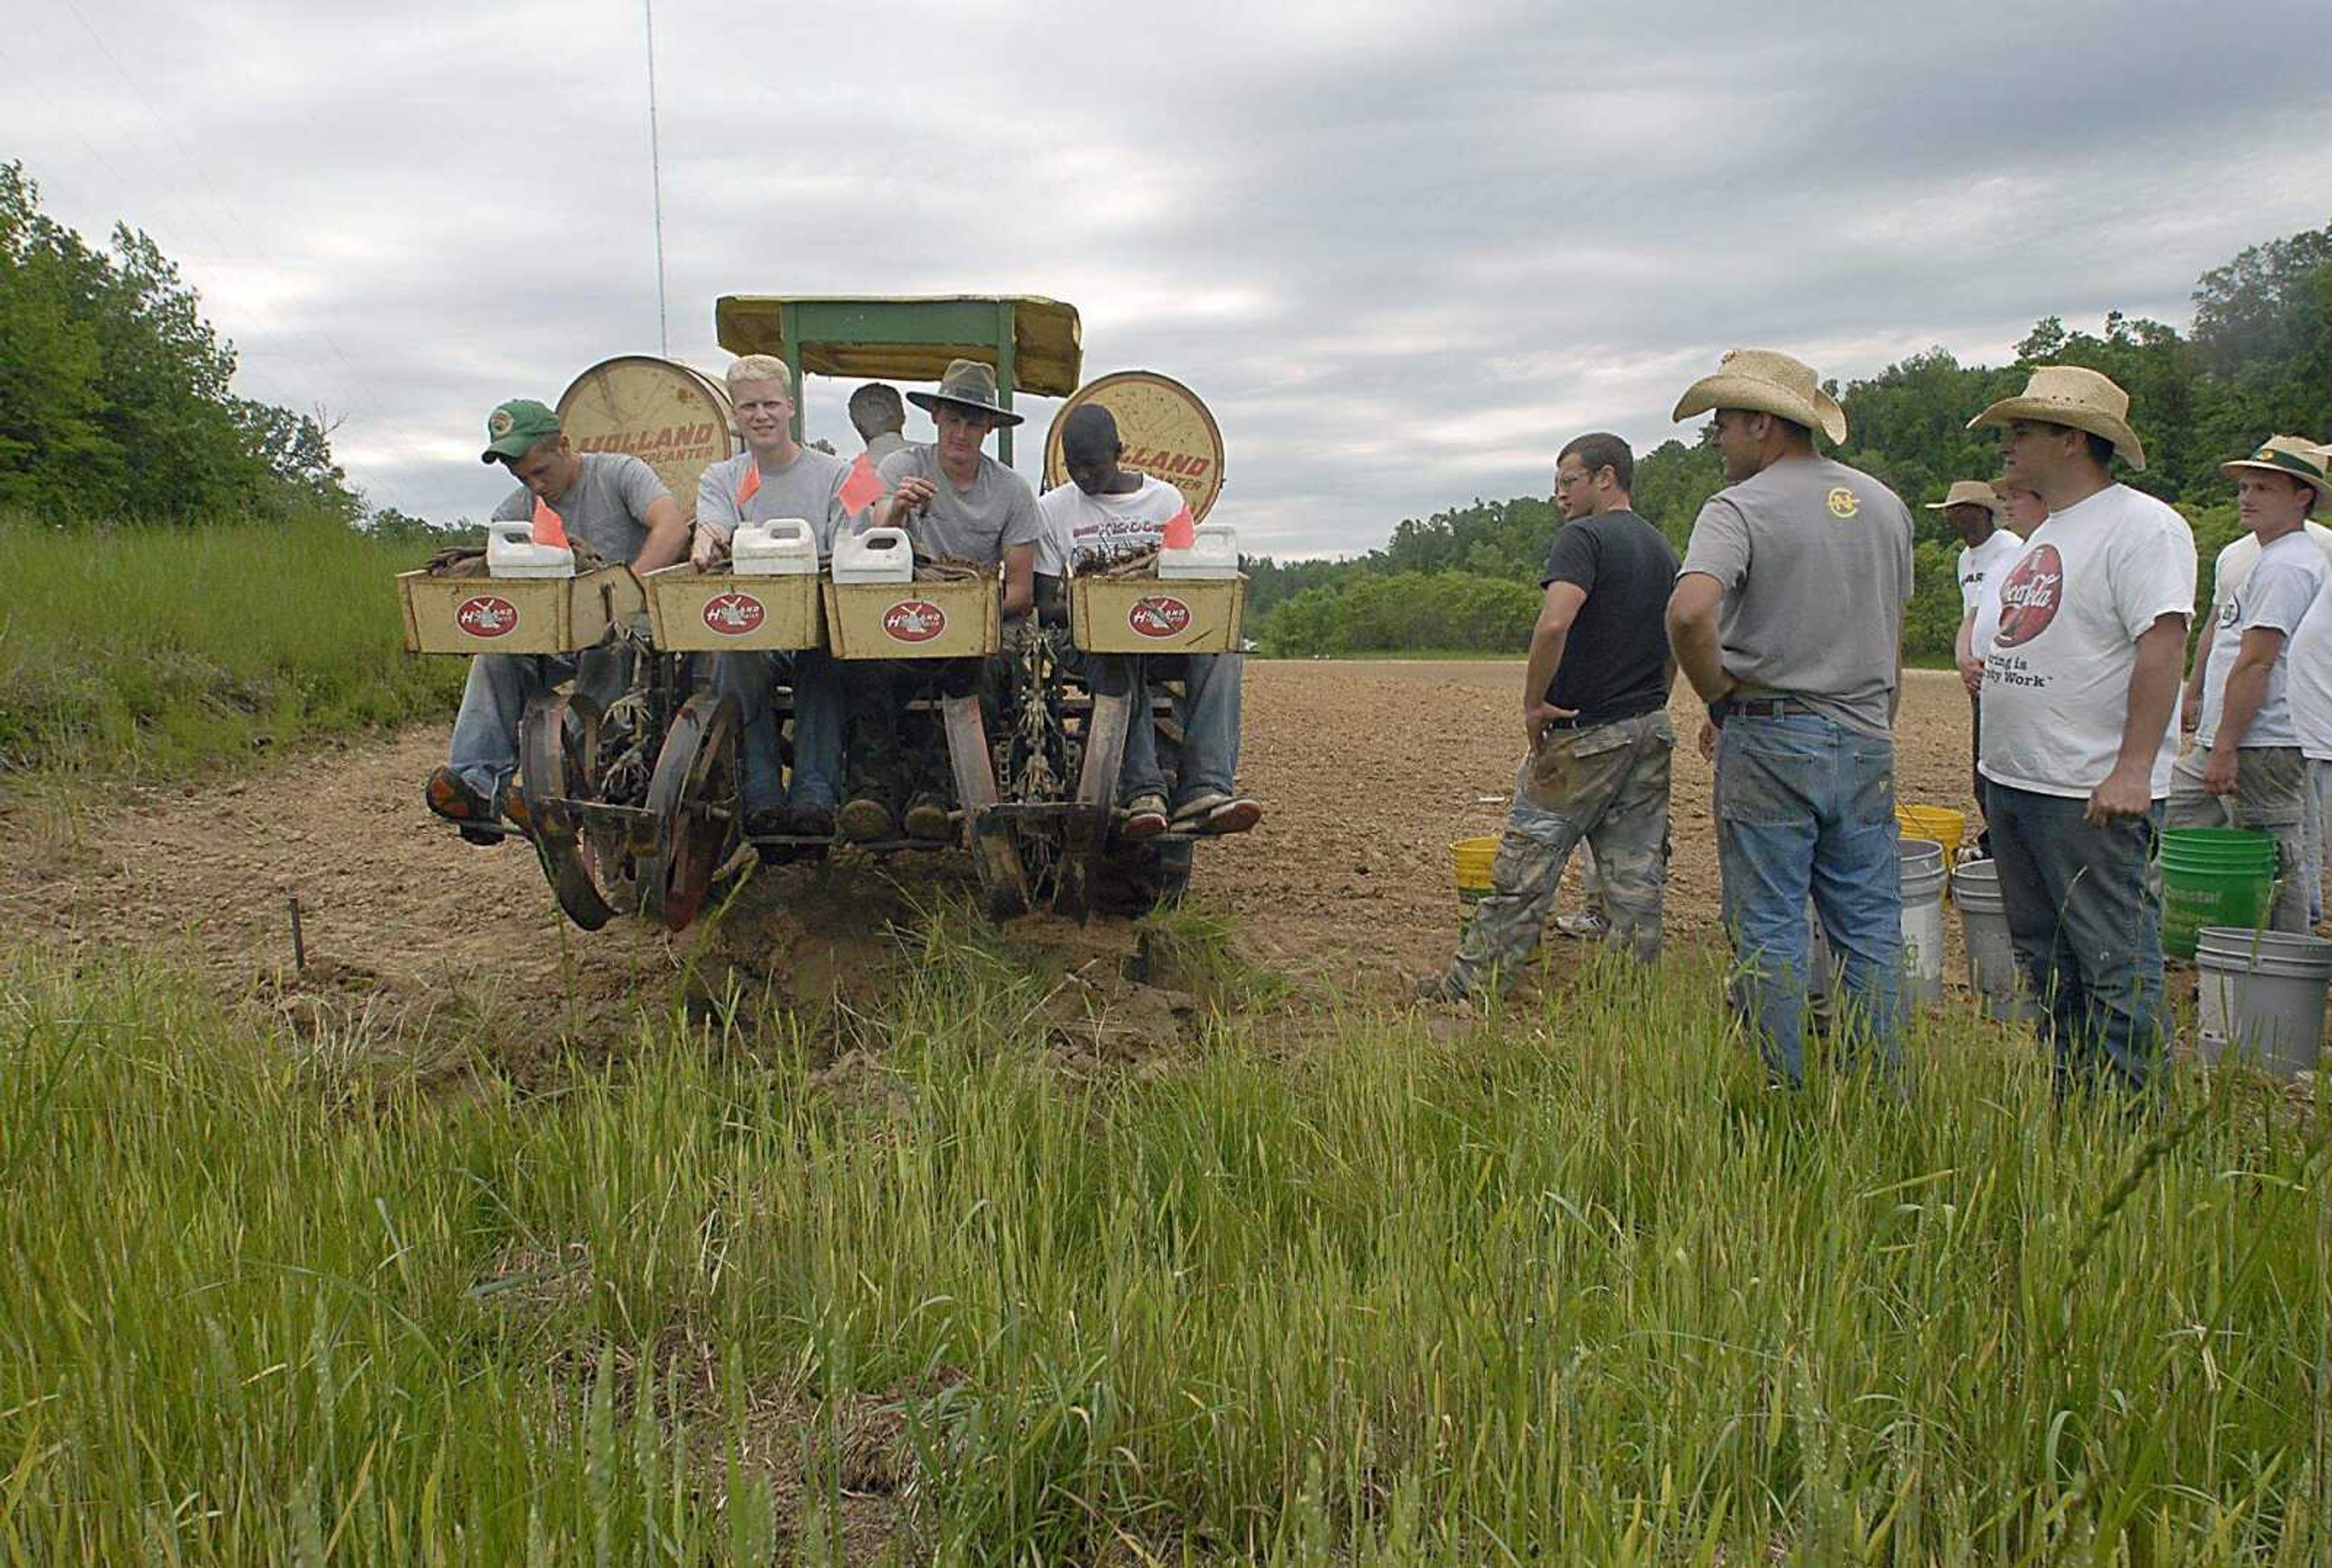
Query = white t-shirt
x=1086 y=531
x=1981 y=567
x=2089 y=582
x=2308 y=664
x=2234 y=563
x=2275 y=593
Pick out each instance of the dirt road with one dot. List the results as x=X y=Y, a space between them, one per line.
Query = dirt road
x=1367 y=769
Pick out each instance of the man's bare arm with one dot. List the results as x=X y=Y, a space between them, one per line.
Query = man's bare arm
x=2129 y=789
x=667 y=539
x=1693 y=635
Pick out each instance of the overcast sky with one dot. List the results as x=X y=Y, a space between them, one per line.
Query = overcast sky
x=1404 y=251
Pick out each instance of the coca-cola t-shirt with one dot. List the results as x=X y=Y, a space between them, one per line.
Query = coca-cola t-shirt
x=1089 y=531
x=2275 y=593
x=2090 y=581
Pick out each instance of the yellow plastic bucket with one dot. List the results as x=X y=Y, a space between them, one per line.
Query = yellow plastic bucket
x=1473 y=858
x=1935 y=823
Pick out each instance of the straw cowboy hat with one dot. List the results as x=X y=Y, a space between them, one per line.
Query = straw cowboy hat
x=1968 y=493
x=970 y=384
x=2071 y=395
x=1766 y=382
x=2301 y=459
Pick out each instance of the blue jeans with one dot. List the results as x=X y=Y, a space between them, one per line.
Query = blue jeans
x=1208 y=712
x=1806 y=807
x=751 y=678
x=2085 y=913
x=484 y=748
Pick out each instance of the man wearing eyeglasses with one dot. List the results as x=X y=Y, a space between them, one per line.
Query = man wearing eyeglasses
x=1595 y=722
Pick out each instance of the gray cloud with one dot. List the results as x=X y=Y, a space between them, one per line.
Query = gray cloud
x=1403 y=252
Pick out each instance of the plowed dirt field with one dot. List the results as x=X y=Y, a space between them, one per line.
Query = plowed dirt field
x=1367 y=771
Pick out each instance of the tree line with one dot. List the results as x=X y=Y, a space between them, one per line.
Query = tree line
x=2256 y=360
x=116 y=401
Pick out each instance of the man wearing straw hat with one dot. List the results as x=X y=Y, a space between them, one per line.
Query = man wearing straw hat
x=2079 y=724
x=2246 y=768
x=1788 y=619
x=956 y=503
x=1594 y=701
x=1973 y=509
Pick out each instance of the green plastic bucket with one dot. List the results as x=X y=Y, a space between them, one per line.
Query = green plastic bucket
x=2214 y=877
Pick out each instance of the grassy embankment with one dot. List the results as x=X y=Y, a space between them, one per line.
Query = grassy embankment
x=162 y=652
x=1569 y=1288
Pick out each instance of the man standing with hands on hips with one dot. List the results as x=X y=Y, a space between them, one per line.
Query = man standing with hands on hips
x=2081 y=694
x=1788 y=619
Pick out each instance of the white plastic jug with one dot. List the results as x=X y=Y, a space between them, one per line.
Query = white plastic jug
x=511 y=552
x=781 y=546
x=1213 y=553
x=877 y=555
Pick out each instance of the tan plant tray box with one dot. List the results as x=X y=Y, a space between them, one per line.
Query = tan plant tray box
x=912 y=620
x=692 y=612
x=1148 y=615
x=507 y=614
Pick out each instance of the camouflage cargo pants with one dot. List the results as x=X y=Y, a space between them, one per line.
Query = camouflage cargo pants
x=1608 y=786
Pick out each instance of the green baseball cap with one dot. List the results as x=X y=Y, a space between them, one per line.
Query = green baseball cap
x=513 y=429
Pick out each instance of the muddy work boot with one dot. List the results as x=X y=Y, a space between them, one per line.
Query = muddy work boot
x=863 y=819
x=927 y=817
x=451 y=797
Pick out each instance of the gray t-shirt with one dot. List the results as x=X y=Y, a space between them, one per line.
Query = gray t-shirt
x=606 y=507
x=881 y=447
x=1815 y=561
x=809 y=488
x=997 y=511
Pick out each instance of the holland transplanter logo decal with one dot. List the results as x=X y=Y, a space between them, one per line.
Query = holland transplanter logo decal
x=732 y=614
x=1159 y=615
x=913 y=621
x=486 y=616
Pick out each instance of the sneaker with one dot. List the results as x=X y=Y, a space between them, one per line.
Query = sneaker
x=1439 y=987
x=928 y=819
x=1145 y=816
x=864 y=819
x=1586 y=924
x=450 y=796
x=814 y=820
x=1212 y=811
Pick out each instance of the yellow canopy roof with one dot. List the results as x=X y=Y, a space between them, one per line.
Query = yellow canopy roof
x=910 y=338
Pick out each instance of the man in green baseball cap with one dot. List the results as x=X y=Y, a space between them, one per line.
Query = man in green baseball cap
x=610 y=501
x=516 y=428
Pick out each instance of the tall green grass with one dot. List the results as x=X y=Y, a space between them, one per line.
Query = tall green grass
x=163 y=650
x=1568 y=1289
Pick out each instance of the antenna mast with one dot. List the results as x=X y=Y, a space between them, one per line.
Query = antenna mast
x=655 y=185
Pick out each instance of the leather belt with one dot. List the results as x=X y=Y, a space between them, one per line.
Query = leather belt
x=1765 y=708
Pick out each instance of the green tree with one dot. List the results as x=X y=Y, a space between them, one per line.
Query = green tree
x=116 y=396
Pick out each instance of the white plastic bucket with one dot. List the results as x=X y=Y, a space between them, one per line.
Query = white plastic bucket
x=1920 y=864
x=1992 y=956
x=2260 y=997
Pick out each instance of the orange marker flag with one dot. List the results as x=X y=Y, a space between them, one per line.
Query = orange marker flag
x=751 y=487
x=863 y=487
x=549 y=529
x=1182 y=531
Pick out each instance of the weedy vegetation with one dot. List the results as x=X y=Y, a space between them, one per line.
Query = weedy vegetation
x=1566 y=1286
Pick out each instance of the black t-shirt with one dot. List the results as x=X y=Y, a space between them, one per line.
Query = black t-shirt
x=1616 y=658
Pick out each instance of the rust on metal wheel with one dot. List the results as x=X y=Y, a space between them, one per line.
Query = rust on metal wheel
x=552 y=771
x=695 y=795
